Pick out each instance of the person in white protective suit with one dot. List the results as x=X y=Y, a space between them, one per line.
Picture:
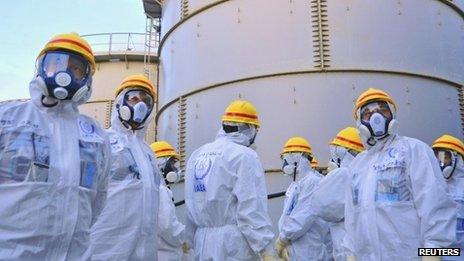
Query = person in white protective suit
x=53 y=160
x=396 y=200
x=225 y=193
x=449 y=151
x=127 y=227
x=343 y=149
x=171 y=231
x=301 y=236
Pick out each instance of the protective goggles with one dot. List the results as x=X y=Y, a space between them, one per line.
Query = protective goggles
x=291 y=158
x=338 y=152
x=290 y=162
x=445 y=158
x=294 y=157
x=229 y=127
x=377 y=106
x=168 y=164
x=132 y=97
x=53 y=62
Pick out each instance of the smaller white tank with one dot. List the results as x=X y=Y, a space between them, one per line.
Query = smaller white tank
x=117 y=55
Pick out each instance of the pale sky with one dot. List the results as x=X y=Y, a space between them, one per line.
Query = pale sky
x=27 y=25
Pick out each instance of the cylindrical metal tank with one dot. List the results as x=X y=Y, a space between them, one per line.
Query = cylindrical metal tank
x=117 y=55
x=303 y=63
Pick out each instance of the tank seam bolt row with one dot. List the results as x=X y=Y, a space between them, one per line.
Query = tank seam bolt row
x=109 y=108
x=182 y=127
x=461 y=105
x=184 y=9
x=320 y=31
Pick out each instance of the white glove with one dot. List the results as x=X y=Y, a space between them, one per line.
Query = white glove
x=266 y=256
x=350 y=258
x=281 y=248
x=185 y=248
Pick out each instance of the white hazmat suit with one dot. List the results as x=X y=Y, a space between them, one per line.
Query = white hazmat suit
x=337 y=184
x=306 y=233
x=127 y=226
x=328 y=202
x=396 y=202
x=226 y=200
x=171 y=231
x=53 y=176
x=456 y=192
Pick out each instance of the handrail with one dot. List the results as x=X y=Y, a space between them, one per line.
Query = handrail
x=270 y=196
x=125 y=42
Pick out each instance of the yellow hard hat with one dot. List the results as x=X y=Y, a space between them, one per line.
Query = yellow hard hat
x=139 y=81
x=449 y=142
x=314 y=163
x=71 y=42
x=372 y=95
x=163 y=149
x=348 y=138
x=297 y=144
x=241 y=111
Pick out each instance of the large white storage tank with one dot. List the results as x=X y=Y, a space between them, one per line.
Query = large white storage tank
x=303 y=63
